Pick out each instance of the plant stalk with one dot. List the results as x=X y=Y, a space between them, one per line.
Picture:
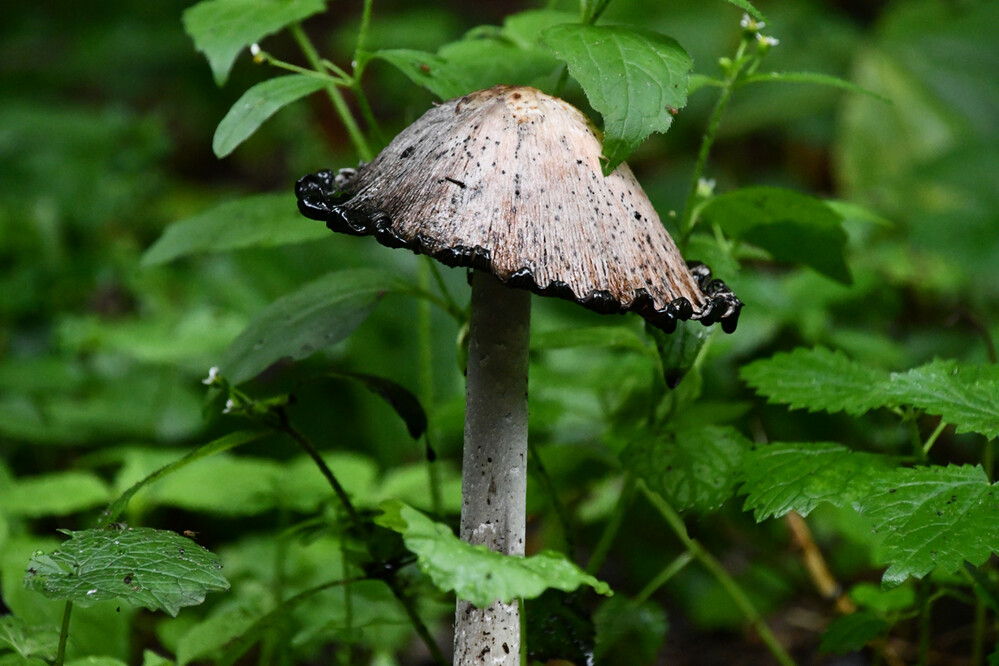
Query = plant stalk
x=494 y=464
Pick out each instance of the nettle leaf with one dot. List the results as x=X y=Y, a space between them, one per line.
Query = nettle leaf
x=636 y=79
x=694 y=468
x=591 y=336
x=819 y=380
x=475 y=573
x=141 y=566
x=320 y=314
x=965 y=395
x=261 y=220
x=222 y=28
x=852 y=632
x=934 y=517
x=427 y=70
x=679 y=350
x=56 y=494
x=257 y=105
x=628 y=632
x=792 y=227
x=784 y=477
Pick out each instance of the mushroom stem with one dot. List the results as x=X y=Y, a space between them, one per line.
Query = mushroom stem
x=494 y=465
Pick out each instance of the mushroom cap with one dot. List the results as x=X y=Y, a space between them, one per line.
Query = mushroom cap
x=508 y=180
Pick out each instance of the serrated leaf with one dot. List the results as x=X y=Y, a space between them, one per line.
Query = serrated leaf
x=257 y=105
x=485 y=62
x=883 y=601
x=141 y=566
x=819 y=379
x=222 y=28
x=261 y=220
x=557 y=626
x=320 y=314
x=965 y=395
x=56 y=494
x=475 y=573
x=784 y=477
x=636 y=79
x=792 y=227
x=934 y=517
x=748 y=7
x=811 y=77
x=850 y=633
x=694 y=468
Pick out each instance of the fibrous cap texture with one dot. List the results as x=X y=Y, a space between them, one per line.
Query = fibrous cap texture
x=509 y=180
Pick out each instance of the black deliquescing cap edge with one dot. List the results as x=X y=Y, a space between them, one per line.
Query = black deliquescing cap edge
x=323 y=196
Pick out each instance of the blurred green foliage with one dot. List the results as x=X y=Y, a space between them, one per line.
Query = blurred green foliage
x=107 y=116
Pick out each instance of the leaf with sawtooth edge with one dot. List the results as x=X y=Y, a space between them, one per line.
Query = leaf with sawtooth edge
x=818 y=380
x=158 y=569
x=692 y=469
x=934 y=517
x=784 y=477
x=475 y=573
x=636 y=79
x=965 y=395
x=851 y=632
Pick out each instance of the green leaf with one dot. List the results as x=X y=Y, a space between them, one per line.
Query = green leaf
x=636 y=79
x=39 y=641
x=792 y=227
x=965 y=395
x=850 y=633
x=592 y=336
x=261 y=220
x=222 y=28
x=223 y=443
x=784 y=477
x=748 y=7
x=56 y=494
x=678 y=350
x=882 y=601
x=257 y=105
x=811 y=77
x=524 y=28
x=318 y=315
x=693 y=468
x=426 y=70
x=628 y=633
x=398 y=397
x=818 y=379
x=475 y=573
x=934 y=517
x=157 y=569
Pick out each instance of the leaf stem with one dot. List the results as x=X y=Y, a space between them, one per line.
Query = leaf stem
x=933 y=438
x=60 y=657
x=613 y=525
x=670 y=570
x=688 y=220
x=715 y=568
x=336 y=98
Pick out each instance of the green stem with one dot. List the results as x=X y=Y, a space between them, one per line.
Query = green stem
x=549 y=489
x=978 y=637
x=612 y=527
x=425 y=342
x=336 y=98
x=688 y=220
x=63 y=634
x=670 y=570
x=933 y=438
x=715 y=568
x=925 y=605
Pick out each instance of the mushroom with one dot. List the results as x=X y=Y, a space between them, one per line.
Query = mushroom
x=507 y=182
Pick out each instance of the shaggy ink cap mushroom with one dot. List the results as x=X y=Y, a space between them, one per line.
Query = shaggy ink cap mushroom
x=508 y=180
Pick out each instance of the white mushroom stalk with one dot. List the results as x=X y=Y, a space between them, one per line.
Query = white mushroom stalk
x=508 y=181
